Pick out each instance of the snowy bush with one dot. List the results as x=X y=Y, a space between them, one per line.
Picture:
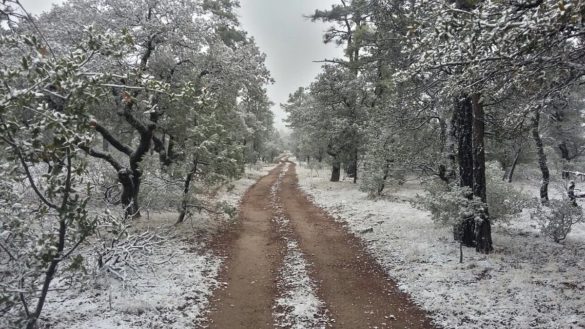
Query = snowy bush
x=447 y=204
x=556 y=218
x=379 y=173
x=503 y=199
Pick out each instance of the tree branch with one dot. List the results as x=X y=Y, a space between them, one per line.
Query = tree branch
x=111 y=139
x=104 y=156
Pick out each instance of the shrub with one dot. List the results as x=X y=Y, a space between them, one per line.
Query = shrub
x=503 y=199
x=556 y=218
x=447 y=203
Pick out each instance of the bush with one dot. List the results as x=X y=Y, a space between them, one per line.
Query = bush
x=378 y=175
x=503 y=199
x=556 y=218
x=447 y=204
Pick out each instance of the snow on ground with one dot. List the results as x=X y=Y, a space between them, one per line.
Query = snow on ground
x=528 y=282
x=170 y=290
x=298 y=306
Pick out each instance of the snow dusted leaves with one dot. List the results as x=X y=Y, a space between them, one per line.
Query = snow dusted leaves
x=298 y=305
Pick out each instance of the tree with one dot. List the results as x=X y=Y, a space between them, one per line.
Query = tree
x=351 y=26
x=43 y=121
x=203 y=49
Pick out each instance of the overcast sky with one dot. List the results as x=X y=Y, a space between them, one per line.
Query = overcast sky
x=290 y=41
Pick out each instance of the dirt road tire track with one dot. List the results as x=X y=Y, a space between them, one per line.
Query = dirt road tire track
x=357 y=291
x=254 y=253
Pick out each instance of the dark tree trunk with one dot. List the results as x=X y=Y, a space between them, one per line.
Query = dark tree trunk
x=355 y=166
x=129 y=193
x=351 y=169
x=464 y=125
x=479 y=183
x=565 y=156
x=483 y=233
x=465 y=141
x=513 y=167
x=136 y=181
x=542 y=163
x=186 y=188
x=385 y=177
x=335 y=170
x=335 y=164
x=446 y=172
x=483 y=236
x=564 y=151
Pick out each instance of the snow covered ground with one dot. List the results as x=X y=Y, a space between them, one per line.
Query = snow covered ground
x=171 y=288
x=528 y=282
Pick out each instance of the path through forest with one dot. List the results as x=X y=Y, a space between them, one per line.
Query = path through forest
x=353 y=290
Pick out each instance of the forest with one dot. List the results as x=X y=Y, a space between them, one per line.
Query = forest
x=427 y=178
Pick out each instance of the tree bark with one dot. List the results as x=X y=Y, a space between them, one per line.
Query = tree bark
x=542 y=162
x=126 y=178
x=335 y=164
x=565 y=156
x=335 y=170
x=483 y=235
x=355 y=166
x=186 y=189
x=513 y=167
x=478 y=131
x=446 y=171
x=386 y=173
x=465 y=232
x=465 y=141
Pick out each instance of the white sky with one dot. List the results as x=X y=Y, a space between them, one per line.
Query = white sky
x=290 y=41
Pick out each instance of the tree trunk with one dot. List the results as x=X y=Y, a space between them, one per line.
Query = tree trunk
x=465 y=233
x=541 y=158
x=335 y=164
x=479 y=183
x=355 y=166
x=385 y=177
x=564 y=151
x=136 y=180
x=465 y=141
x=514 y=163
x=483 y=236
x=446 y=172
x=335 y=170
x=186 y=188
x=129 y=193
x=566 y=157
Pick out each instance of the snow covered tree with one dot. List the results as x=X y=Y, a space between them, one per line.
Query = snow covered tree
x=182 y=49
x=44 y=120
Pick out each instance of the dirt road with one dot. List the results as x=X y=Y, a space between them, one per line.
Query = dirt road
x=353 y=289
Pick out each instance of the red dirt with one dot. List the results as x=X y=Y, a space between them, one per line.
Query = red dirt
x=253 y=252
x=356 y=290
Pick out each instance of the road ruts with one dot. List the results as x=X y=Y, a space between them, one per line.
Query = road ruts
x=253 y=256
x=357 y=291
